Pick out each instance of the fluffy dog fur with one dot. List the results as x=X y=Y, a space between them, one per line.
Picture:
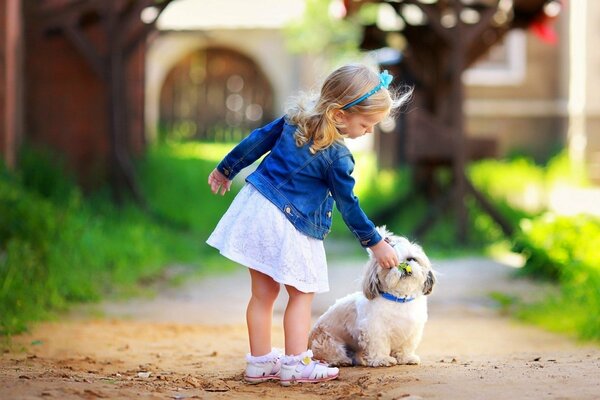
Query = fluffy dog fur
x=364 y=328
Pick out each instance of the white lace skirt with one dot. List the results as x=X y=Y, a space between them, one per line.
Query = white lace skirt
x=255 y=233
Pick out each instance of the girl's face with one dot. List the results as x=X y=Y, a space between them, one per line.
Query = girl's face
x=356 y=125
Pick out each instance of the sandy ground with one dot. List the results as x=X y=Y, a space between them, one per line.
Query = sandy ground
x=189 y=342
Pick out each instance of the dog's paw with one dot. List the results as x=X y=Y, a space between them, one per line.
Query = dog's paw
x=412 y=359
x=386 y=361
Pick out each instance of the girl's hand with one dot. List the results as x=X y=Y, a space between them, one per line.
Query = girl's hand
x=218 y=181
x=385 y=255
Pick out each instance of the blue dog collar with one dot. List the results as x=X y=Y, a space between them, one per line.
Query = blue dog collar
x=391 y=297
x=384 y=82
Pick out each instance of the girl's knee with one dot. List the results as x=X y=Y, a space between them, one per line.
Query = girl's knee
x=266 y=292
x=294 y=293
x=263 y=286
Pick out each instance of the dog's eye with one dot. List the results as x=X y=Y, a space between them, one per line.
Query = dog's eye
x=409 y=259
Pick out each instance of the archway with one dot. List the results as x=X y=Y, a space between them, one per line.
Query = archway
x=214 y=94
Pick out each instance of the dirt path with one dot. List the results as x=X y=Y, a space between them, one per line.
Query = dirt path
x=189 y=343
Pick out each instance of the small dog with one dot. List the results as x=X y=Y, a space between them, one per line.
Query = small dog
x=383 y=324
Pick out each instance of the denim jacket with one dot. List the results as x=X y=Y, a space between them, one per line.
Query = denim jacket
x=302 y=185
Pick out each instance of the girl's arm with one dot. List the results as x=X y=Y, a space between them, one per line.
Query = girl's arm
x=341 y=184
x=259 y=142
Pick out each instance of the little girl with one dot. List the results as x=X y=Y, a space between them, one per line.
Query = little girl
x=276 y=225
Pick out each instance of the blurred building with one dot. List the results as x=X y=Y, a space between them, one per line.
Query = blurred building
x=226 y=60
x=221 y=67
x=535 y=97
x=50 y=95
x=528 y=96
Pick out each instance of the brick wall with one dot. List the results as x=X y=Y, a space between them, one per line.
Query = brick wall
x=66 y=102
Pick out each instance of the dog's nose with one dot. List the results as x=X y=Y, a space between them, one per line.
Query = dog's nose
x=409 y=259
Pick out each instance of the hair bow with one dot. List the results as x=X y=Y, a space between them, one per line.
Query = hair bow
x=386 y=78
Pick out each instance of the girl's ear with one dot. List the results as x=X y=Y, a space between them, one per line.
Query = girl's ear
x=338 y=116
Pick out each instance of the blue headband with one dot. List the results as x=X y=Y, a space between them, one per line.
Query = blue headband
x=384 y=81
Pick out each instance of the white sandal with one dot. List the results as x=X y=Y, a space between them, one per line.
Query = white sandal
x=302 y=368
x=263 y=368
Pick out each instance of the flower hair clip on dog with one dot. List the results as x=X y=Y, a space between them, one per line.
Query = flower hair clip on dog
x=404 y=266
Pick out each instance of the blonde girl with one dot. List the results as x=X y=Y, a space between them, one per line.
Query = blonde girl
x=275 y=226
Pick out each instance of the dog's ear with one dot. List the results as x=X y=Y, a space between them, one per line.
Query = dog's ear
x=371 y=281
x=429 y=282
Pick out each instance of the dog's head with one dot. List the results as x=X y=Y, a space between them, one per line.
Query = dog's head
x=414 y=278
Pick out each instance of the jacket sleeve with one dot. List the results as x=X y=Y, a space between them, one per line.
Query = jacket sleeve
x=341 y=184
x=251 y=148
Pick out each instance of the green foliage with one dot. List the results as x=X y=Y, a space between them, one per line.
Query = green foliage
x=380 y=189
x=320 y=31
x=518 y=184
x=24 y=225
x=175 y=181
x=565 y=250
x=561 y=170
x=558 y=249
x=52 y=254
x=57 y=247
x=44 y=172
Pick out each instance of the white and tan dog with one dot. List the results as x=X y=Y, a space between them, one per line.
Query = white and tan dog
x=383 y=324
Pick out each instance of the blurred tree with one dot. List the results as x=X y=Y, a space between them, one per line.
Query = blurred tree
x=124 y=26
x=437 y=41
x=324 y=30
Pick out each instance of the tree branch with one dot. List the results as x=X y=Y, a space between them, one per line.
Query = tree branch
x=86 y=48
x=142 y=33
x=433 y=18
x=484 y=23
x=58 y=17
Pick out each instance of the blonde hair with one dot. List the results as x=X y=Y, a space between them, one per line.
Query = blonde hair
x=315 y=119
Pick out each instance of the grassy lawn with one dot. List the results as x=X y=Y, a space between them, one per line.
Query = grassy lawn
x=59 y=247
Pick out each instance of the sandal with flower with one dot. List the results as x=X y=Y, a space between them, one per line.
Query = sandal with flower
x=302 y=369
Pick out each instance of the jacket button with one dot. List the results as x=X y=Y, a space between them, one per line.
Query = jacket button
x=328 y=214
x=288 y=210
x=226 y=172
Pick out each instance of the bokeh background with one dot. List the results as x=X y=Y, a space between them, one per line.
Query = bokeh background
x=112 y=114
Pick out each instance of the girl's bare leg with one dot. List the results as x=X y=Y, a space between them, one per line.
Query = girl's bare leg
x=259 y=314
x=296 y=320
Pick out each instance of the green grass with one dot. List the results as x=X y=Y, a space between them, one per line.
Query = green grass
x=59 y=247
x=564 y=250
x=558 y=249
x=556 y=315
x=175 y=177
